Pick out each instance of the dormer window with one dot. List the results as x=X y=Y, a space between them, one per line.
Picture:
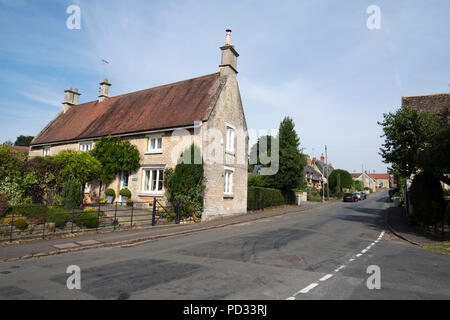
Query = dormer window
x=46 y=151
x=229 y=146
x=86 y=146
x=154 y=144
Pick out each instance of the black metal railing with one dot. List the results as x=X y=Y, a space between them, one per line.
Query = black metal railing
x=40 y=221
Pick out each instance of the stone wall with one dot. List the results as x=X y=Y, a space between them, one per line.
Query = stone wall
x=228 y=110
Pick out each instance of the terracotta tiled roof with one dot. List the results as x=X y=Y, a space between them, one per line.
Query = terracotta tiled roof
x=19 y=149
x=379 y=175
x=172 y=105
x=356 y=175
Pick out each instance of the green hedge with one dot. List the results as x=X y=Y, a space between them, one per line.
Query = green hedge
x=87 y=220
x=272 y=197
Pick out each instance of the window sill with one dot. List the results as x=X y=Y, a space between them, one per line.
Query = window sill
x=153 y=152
x=228 y=196
x=151 y=194
x=231 y=153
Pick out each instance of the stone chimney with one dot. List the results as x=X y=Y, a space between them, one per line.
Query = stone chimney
x=228 y=65
x=104 y=90
x=308 y=160
x=71 y=98
x=322 y=158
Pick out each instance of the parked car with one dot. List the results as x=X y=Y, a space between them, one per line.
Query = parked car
x=363 y=195
x=350 y=197
x=358 y=195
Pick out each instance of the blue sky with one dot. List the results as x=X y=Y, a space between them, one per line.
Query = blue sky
x=315 y=61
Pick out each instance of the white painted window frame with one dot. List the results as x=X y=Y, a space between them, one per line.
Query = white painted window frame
x=152 y=169
x=229 y=138
x=88 y=144
x=46 y=151
x=149 y=144
x=228 y=181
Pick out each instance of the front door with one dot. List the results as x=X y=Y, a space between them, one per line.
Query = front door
x=123 y=182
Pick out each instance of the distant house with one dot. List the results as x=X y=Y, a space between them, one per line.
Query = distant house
x=374 y=181
x=316 y=172
x=162 y=122
x=368 y=181
x=19 y=151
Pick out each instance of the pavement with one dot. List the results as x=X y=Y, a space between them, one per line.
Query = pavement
x=397 y=223
x=40 y=248
x=329 y=251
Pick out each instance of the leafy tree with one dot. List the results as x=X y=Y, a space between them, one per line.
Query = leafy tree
x=340 y=179
x=115 y=155
x=255 y=151
x=416 y=141
x=10 y=163
x=358 y=185
x=23 y=141
x=78 y=165
x=47 y=178
x=291 y=160
x=186 y=184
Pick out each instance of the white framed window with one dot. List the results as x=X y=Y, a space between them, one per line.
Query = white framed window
x=46 y=151
x=85 y=146
x=152 y=180
x=154 y=144
x=87 y=187
x=228 y=187
x=229 y=146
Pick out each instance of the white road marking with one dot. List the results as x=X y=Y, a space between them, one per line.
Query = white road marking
x=308 y=288
x=324 y=278
x=340 y=268
x=328 y=276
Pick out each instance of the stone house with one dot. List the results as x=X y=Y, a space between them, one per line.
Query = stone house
x=317 y=171
x=162 y=122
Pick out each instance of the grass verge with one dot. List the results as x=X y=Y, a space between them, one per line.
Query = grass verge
x=442 y=247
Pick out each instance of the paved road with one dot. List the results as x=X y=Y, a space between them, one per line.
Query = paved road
x=315 y=254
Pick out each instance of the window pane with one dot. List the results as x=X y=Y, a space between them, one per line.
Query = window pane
x=146 y=180
x=152 y=145
x=154 y=179
x=160 y=180
x=159 y=143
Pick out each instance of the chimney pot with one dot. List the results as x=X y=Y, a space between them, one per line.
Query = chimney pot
x=71 y=98
x=104 y=90
x=322 y=158
x=228 y=65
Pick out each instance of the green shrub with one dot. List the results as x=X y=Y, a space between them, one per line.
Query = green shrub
x=314 y=197
x=272 y=197
x=58 y=218
x=34 y=212
x=72 y=194
x=256 y=181
x=19 y=221
x=110 y=192
x=427 y=198
x=186 y=184
x=4 y=205
x=88 y=219
x=125 y=193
